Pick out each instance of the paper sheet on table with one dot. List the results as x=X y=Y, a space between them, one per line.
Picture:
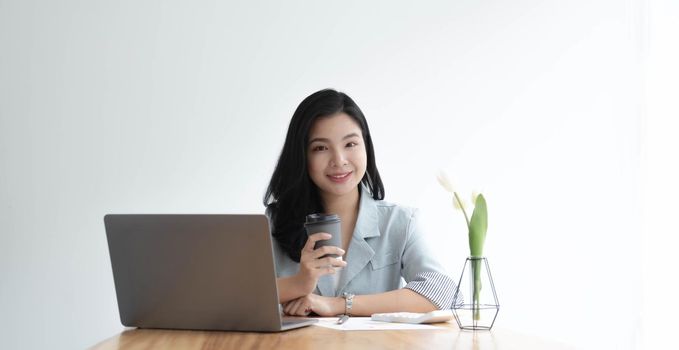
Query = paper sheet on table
x=366 y=324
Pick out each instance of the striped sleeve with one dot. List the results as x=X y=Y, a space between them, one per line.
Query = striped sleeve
x=437 y=288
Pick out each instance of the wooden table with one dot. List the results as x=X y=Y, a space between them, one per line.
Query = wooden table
x=319 y=338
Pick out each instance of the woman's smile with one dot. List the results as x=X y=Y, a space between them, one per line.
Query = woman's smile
x=340 y=177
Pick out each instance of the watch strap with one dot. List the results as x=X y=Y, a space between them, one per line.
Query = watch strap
x=348 y=302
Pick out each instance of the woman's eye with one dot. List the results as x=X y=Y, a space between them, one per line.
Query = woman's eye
x=352 y=144
x=319 y=148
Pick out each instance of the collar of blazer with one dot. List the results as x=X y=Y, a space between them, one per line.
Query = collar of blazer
x=359 y=252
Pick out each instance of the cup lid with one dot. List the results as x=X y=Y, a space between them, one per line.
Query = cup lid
x=319 y=217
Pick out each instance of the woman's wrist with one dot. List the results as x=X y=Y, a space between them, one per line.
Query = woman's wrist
x=301 y=285
x=338 y=305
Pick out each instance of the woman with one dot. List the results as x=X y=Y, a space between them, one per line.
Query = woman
x=327 y=165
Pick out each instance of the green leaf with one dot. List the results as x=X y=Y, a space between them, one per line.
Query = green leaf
x=478 y=226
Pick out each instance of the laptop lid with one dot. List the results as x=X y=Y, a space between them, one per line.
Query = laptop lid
x=208 y=272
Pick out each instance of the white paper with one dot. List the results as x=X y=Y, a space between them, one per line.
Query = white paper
x=366 y=324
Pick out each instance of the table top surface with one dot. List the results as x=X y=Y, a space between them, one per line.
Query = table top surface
x=313 y=337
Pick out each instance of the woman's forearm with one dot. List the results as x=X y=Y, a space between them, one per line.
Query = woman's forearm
x=289 y=289
x=393 y=301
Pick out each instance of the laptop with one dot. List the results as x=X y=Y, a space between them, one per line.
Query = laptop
x=201 y=272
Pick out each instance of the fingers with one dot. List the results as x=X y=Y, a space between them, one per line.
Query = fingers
x=319 y=265
x=298 y=307
x=290 y=305
x=303 y=308
x=330 y=261
x=311 y=241
x=317 y=253
x=312 y=263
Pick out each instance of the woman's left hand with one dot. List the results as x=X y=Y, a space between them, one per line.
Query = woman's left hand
x=320 y=305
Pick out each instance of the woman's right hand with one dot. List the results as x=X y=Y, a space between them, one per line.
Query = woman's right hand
x=312 y=266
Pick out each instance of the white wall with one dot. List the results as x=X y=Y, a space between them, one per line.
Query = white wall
x=660 y=146
x=181 y=107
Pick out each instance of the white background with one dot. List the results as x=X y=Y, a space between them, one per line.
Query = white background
x=560 y=111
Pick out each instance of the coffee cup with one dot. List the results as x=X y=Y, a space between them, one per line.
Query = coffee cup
x=329 y=223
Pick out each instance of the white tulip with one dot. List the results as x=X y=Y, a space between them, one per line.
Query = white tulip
x=460 y=206
x=445 y=181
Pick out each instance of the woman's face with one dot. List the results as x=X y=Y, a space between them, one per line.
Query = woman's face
x=336 y=154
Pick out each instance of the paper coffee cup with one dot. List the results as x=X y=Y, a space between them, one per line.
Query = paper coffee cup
x=329 y=223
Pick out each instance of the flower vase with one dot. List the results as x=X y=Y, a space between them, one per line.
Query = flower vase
x=479 y=306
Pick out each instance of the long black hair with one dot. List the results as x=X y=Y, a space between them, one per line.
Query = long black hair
x=291 y=194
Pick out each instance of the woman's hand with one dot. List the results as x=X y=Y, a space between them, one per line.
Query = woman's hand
x=312 y=266
x=320 y=305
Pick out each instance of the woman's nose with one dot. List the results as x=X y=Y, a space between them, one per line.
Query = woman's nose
x=339 y=159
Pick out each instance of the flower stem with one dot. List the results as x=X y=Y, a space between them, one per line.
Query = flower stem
x=459 y=202
x=476 y=271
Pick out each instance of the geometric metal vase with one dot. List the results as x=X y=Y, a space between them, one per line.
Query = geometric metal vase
x=480 y=306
